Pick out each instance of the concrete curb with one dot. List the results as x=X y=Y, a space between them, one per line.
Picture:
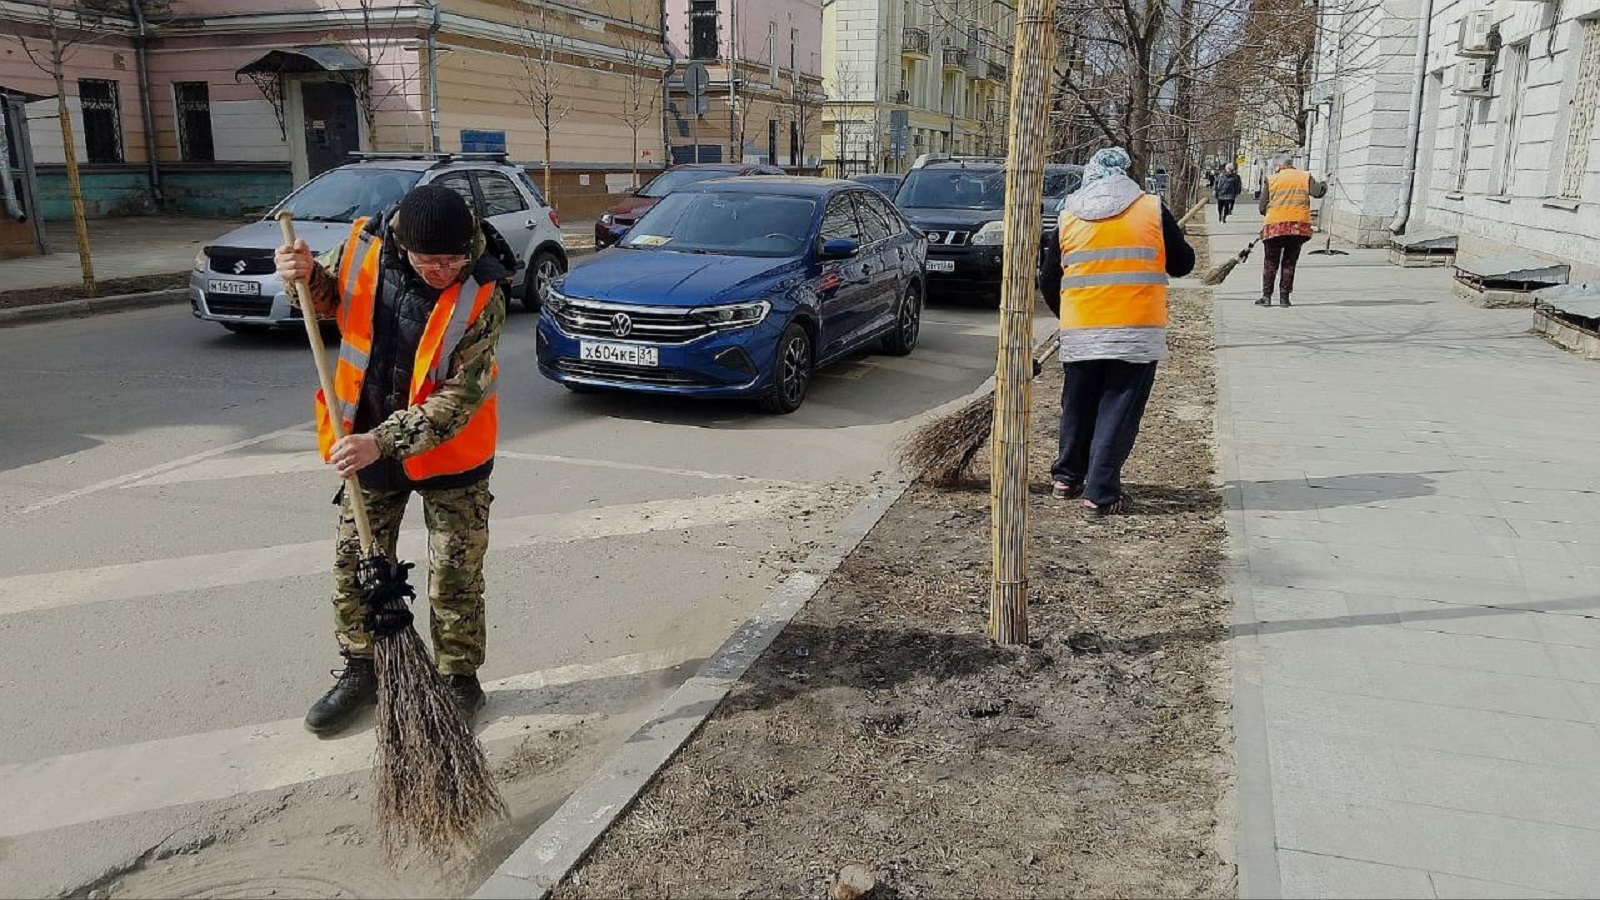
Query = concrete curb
x=562 y=842
x=1256 y=836
x=69 y=309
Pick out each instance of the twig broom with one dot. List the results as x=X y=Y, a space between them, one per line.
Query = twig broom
x=1220 y=273
x=434 y=789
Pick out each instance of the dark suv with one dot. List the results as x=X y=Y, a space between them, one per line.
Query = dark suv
x=614 y=223
x=959 y=203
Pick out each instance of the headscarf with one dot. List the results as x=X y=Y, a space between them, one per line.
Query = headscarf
x=1282 y=161
x=1107 y=163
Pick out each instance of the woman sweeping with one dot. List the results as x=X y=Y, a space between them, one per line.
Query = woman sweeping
x=1286 y=203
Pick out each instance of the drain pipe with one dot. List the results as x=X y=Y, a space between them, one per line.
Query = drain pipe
x=433 y=77
x=141 y=51
x=1414 y=120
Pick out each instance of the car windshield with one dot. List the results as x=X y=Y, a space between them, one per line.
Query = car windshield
x=732 y=223
x=1060 y=184
x=678 y=179
x=949 y=188
x=344 y=195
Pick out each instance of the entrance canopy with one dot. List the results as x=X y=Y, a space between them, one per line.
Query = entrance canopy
x=269 y=70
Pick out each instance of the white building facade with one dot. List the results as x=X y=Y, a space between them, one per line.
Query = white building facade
x=1506 y=156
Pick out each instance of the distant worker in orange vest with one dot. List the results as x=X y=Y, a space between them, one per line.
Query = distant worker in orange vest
x=1286 y=203
x=417 y=296
x=1118 y=247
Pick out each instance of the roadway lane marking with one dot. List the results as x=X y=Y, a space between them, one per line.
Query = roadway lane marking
x=135 y=778
x=126 y=581
x=142 y=474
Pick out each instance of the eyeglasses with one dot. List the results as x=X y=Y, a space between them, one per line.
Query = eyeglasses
x=436 y=263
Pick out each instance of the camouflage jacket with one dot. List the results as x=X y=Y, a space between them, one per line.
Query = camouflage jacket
x=407 y=430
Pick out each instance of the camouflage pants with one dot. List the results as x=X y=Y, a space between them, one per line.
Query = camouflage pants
x=458 y=538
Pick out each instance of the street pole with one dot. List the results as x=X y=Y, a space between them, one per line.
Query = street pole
x=1008 y=492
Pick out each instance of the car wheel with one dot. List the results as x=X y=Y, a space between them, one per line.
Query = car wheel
x=546 y=268
x=792 y=377
x=907 y=324
x=243 y=328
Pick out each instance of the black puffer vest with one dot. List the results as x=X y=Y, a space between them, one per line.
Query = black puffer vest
x=400 y=315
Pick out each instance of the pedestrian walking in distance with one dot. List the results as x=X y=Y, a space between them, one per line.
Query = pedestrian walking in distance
x=417 y=294
x=1286 y=203
x=1227 y=188
x=1118 y=246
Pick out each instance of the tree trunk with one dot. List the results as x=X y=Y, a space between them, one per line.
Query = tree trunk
x=547 y=194
x=1008 y=480
x=635 y=156
x=80 y=224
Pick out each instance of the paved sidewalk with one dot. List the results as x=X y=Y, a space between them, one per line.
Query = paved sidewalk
x=122 y=247
x=1415 y=521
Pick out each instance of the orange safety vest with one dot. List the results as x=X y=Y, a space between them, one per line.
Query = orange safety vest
x=359 y=278
x=1289 y=197
x=1114 y=271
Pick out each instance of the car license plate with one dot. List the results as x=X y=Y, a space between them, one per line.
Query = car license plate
x=626 y=354
x=941 y=265
x=245 y=288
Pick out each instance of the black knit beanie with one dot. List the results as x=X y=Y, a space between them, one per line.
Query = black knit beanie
x=435 y=220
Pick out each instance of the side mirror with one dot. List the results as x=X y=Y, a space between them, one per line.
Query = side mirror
x=840 y=248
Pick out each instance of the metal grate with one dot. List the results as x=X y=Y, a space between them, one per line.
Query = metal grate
x=194 y=120
x=588 y=318
x=227 y=305
x=102 y=120
x=240 y=261
x=629 y=374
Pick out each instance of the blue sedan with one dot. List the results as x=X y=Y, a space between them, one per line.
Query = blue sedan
x=739 y=288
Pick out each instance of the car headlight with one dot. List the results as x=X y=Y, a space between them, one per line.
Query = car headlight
x=736 y=315
x=991 y=235
x=554 y=301
x=200 y=261
x=607 y=218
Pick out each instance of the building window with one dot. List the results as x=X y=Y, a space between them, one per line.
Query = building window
x=194 y=121
x=102 y=120
x=772 y=141
x=1580 y=121
x=1464 y=116
x=1514 y=74
x=794 y=41
x=703 y=29
x=794 y=143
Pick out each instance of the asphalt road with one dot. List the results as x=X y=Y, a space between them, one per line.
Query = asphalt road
x=165 y=537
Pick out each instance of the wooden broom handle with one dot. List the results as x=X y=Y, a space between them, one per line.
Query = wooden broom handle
x=1193 y=212
x=319 y=353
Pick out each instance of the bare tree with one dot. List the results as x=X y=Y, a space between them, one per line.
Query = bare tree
x=382 y=38
x=843 y=96
x=67 y=25
x=805 y=107
x=641 y=85
x=544 y=85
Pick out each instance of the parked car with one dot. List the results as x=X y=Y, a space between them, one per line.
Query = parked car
x=234 y=281
x=959 y=203
x=615 y=222
x=738 y=288
x=1059 y=180
x=883 y=184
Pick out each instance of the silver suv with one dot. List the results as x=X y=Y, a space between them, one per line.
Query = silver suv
x=234 y=281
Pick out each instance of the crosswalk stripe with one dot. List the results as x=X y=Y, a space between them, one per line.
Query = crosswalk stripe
x=125 y=581
x=134 y=778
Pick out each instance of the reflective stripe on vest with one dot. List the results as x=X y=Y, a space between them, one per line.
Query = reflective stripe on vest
x=1289 y=197
x=1114 y=271
x=359 y=278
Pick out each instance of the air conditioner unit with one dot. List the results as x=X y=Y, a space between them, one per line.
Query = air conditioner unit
x=1472 y=78
x=1478 y=36
x=1321 y=92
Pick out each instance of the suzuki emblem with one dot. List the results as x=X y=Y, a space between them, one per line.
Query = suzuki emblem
x=239 y=267
x=621 y=325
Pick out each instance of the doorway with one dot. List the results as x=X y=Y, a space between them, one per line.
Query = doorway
x=331 y=124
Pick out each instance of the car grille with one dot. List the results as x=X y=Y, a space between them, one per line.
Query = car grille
x=630 y=374
x=587 y=318
x=240 y=261
x=1048 y=222
x=228 y=305
x=939 y=238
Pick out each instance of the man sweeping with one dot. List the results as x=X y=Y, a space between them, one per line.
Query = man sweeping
x=1119 y=245
x=417 y=296
x=1286 y=203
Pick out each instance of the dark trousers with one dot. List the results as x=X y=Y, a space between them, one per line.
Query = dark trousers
x=1224 y=208
x=1102 y=402
x=1283 y=254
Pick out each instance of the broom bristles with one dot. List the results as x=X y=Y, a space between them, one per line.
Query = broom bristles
x=435 y=792
x=1220 y=273
x=942 y=451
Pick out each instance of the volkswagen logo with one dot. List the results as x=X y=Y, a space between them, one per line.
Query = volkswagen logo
x=621 y=325
x=239 y=267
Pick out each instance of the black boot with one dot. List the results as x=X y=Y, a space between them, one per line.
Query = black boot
x=1264 y=301
x=468 y=695
x=356 y=689
x=1284 y=301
